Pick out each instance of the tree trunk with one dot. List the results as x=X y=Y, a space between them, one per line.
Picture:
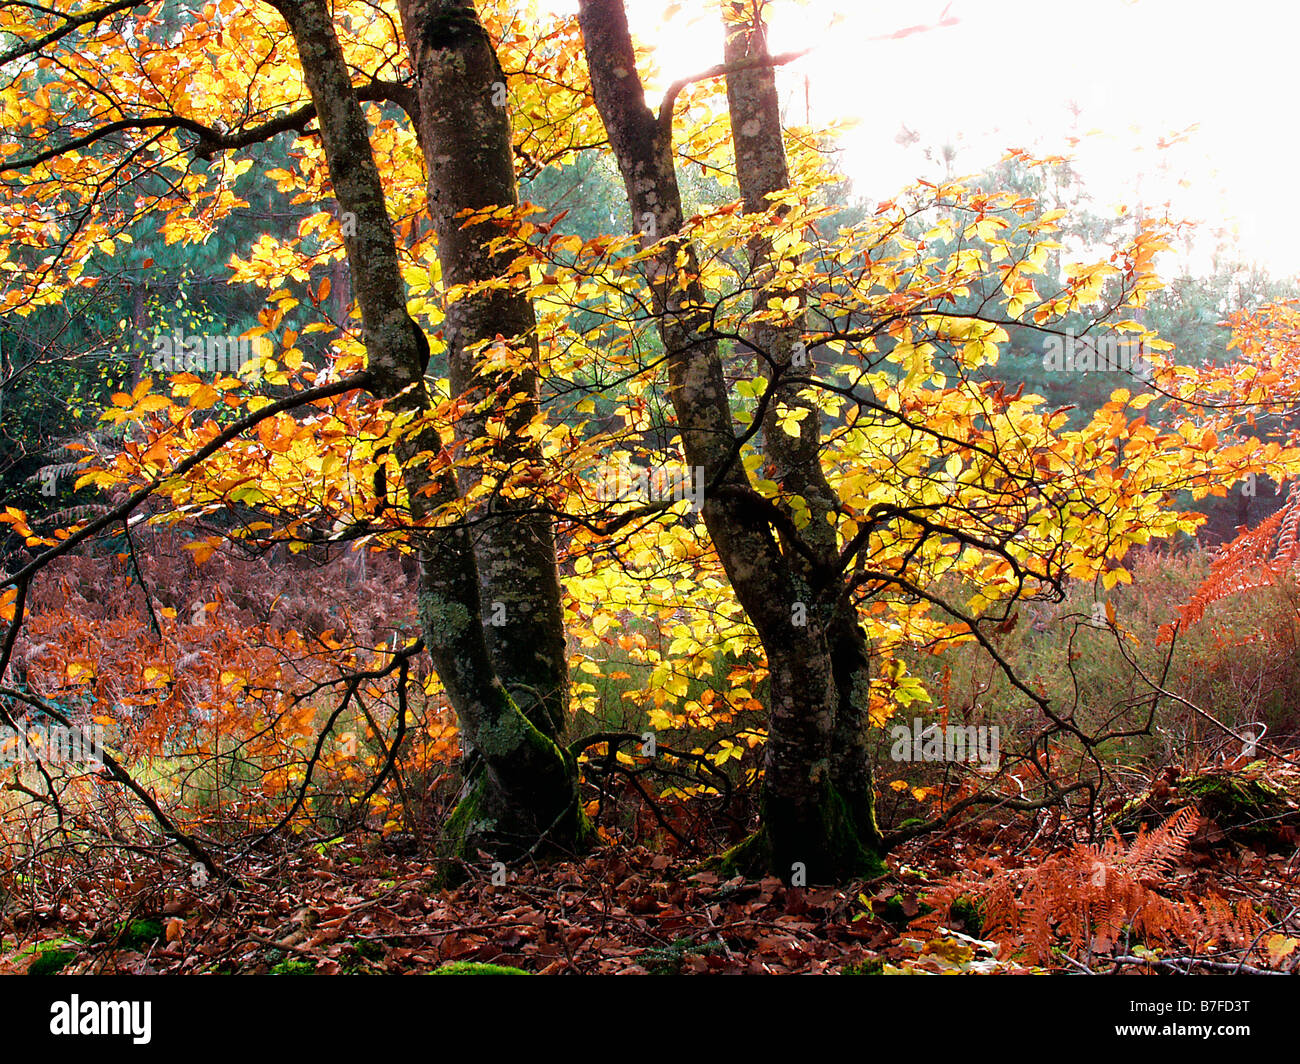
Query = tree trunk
x=469 y=155
x=795 y=461
x=804 y=823
x=528 y=794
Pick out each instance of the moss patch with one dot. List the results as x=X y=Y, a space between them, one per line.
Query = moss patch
x=51 y=962
x=486 y=820
x=834 y=853
x=138 y=934
x=294 y=966
x=900 y=911
x=1241 y=800
x=474 y=968
x=969 y=913
x=1245 y=801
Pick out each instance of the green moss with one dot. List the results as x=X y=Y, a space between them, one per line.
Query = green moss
x=441 y=618
x=359 y=957
x=487 y=820
x=466 y=821
x=507 y=733
x=372 y=951
x=1236 y=800
x=969 y=913
x=294 y=966
x=1241 y=801
x=668 y=960
x=51 y=962
x=138 y=934
x=749 y=857
x=893 y=911
x=832 y=853
x=473 y=968
x=871 y=966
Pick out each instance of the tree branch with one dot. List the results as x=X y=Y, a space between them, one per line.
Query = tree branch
x=119 y=512
x=211 y=141
x=722 y=69
x=72 y=23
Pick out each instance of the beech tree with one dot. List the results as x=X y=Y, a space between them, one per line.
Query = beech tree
x=808 y=818
x=864 y=485
x=805 y=560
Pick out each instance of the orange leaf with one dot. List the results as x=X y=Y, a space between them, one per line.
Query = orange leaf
x=204 y=396
x=202 y=551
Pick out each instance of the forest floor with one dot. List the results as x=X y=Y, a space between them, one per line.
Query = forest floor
x=358 y=906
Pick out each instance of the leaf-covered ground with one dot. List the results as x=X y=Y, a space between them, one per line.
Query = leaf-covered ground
x=358 y=906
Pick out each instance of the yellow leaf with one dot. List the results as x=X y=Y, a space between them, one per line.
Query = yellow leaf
x=204 y=396
x=1280 y=947
x=203 y=550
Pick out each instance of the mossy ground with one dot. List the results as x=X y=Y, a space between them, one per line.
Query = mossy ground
x=1244 y=801
x=473 y=968
x=51 y=961
x=137 y=934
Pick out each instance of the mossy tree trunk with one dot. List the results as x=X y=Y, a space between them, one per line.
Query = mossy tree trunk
x=527 y=795
x=807 y=824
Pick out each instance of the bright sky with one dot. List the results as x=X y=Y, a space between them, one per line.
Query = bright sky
x=1006 y=74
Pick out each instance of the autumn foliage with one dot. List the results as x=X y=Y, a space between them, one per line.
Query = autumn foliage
x=306 y=600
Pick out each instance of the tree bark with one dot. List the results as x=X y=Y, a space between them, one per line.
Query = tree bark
x=795 y=460
x=469 y=155
x=528 y=795
x=804 y=817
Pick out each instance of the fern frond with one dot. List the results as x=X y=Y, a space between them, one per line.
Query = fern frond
x=1153 y=853
x=1257 y=558
x=1094 y=894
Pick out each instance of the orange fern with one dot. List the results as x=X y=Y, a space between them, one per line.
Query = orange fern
x=1088 y=897
x=1258 y=557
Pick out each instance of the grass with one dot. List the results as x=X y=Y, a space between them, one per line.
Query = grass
x=1241 y=664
